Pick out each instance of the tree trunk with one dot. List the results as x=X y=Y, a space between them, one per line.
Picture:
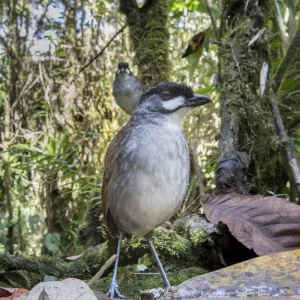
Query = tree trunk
x=11 y=51
x=249 y=160
x=149 y=38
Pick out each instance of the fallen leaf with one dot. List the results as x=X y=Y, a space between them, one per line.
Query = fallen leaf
x=69 y=288
x=276 y=275
x=13 y=294
x=264 y=224
x=5 y=293
x=75 y=257
x=257 y=36
x=263 y=77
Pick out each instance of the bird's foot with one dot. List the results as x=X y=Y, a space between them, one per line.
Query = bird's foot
x=114 y=291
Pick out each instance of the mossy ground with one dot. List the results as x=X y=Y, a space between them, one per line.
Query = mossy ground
x=179 y=256
x=132 y=283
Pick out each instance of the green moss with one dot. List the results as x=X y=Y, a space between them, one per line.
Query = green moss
x=169 y=242
x=241 y=66
x=132 y=284
x=150 y=40
x=198 y=237
x=136 y=242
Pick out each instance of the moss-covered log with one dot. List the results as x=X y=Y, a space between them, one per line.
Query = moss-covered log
x=249 y=160
x=192 y=242
x=84 y=267
x=149 y=38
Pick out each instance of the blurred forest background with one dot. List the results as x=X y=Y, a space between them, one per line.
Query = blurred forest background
x=56 y=120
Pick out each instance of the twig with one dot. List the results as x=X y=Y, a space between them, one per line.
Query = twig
x=150 y=273
x=108 y=263
x=25 y=89
x=289 y=56
x=103 y=49
x=287 y=144
x=197 y=168
x=246 y=7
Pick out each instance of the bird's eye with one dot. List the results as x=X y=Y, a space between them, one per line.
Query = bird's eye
x=166 y=95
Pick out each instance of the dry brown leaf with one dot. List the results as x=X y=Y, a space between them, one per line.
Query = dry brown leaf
x=13 y=294
x=194 y=44
x=4 y=293
x=264 y=224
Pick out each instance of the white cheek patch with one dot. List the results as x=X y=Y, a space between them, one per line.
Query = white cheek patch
x=127 y=71
x=174 y=103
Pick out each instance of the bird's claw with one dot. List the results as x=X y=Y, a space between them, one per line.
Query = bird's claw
x=114 y=291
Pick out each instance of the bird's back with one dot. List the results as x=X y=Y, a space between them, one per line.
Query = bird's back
x=146 y=176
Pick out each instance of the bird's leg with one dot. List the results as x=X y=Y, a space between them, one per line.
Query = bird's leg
x=114 y=287
x=149 y=239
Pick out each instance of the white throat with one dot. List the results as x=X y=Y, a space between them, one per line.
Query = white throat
x=175 y=120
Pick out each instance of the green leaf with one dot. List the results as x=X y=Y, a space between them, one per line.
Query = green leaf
x=61 y=54
x=206 y=90
x=193 y=59
x=26 y=147
x=52 y=242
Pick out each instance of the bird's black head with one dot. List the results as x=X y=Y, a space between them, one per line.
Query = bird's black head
x=123 y=68
x=170 y=97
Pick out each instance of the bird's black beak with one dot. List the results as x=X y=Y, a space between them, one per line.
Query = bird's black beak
x=198 y=100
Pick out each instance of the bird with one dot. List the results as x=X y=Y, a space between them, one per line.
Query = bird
x=127 y=88
x=146 y=168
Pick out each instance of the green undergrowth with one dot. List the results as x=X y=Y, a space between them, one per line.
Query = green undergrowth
x=132 y=282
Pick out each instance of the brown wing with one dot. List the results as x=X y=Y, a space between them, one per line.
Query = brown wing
x=109 y=166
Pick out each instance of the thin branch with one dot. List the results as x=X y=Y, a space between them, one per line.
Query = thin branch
x=288 y=58
x=287 y=144
x=103 y=49
x=197 y=168
x=98 y=275
x=25 y=90
x=213 y=19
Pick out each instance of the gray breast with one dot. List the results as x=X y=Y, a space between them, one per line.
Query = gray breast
x=150 y=178
x=127 y=90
